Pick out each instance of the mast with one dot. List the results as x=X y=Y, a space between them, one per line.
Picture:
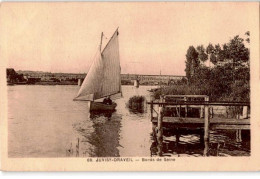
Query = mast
x=101 y=42
x=116 y=32
x=160 y=79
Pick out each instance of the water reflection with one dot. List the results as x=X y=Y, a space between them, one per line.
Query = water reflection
x=96 y=114
x=103 y=141
x=222 y=143
x=137 y=111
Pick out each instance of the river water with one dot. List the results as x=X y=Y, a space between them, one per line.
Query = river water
x=44 y=121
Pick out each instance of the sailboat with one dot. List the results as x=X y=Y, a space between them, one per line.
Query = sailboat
x=103 y=78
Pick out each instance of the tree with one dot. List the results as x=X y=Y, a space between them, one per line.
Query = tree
x=202 y=53
x=248 y=37
x=192 y=62
x=238 y=52
x=210 y=50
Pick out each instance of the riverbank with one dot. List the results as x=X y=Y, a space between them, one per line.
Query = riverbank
x=62 y=83
x=44 y=83
x=56 y=83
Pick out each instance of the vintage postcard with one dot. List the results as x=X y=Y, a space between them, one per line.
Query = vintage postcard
x=130 y=86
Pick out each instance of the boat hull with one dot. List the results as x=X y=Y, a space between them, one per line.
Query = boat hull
x=99 y=106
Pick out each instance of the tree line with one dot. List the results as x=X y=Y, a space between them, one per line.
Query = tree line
x=220 y=71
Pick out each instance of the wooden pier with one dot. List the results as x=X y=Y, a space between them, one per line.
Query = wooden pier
x=174 y=111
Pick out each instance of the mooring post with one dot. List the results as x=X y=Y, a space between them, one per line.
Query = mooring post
x=245 y=112
x=177 y=136
x=201 y=111
x=202 y=108
x=238 y=135
x=153 y=124
x=79 y=82
x=206 y=128
x=77 y=149
x=186 y=106
x=238 y=132
x=201 y=136
x=152 y=110
x=212 y=112
x=160 y=128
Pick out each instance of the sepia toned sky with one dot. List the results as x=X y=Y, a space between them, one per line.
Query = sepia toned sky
x=64 y=37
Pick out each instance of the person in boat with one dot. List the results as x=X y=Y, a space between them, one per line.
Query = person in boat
x=107 y=101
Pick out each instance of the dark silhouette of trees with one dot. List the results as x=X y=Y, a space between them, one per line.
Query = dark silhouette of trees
x=192 y=62
x=229 y=76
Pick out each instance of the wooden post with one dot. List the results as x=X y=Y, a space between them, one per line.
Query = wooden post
x=212 y=112
x=154 y=131
x=238 y=135
x=245 y=112
x=201 y=111
x=77 y=149
x=179 y=110
x=186 y=106
x=177 y=136
x=79 y=82
x=202 y=136
x=206 y=128
x=160 y=129
x=238 y=131
x=152 y=110
x=202 y=108
x=244 y=116
x=153 y=125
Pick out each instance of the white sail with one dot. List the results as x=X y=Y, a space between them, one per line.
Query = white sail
x=111 y=82
x=91 y=87
x=103 y=78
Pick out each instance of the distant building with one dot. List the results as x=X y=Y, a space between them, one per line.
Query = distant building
x=224 y=62
x=151 y=79
x=32 y=80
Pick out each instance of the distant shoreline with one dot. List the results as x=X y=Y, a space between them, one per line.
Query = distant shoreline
x=45 y=78
x=47 y=83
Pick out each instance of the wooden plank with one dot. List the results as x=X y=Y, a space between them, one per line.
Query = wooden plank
x=225 y=127
x=243 y=124
x=201 y=120
x=190 y=106
x=202 y=103
x=191 y=96
x=229 y=121
x=183 y=120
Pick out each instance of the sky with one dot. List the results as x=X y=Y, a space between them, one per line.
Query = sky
x=153 y=37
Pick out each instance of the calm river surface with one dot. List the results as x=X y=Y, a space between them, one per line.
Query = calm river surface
x=44 y=121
